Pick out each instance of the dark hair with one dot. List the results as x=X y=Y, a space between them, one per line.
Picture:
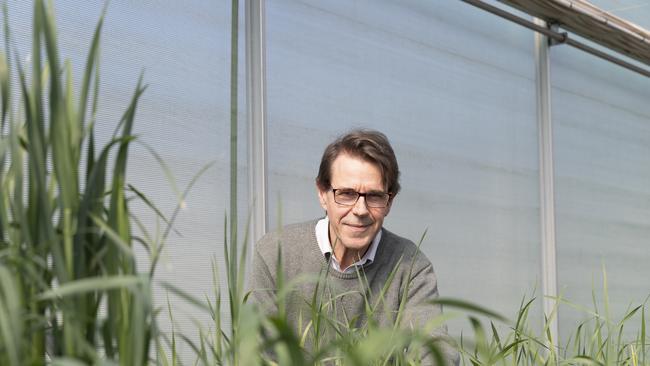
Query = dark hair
x=369 y=145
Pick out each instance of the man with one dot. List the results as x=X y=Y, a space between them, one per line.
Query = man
x=365 y=271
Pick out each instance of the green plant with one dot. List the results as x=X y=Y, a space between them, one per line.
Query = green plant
x=65 y=229
x=597 y=340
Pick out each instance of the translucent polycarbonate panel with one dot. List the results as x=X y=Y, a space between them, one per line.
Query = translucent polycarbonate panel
x=182 y=51
x=453 y=88
x=601 y=120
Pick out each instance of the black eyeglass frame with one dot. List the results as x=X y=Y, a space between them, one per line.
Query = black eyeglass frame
x=359 y=194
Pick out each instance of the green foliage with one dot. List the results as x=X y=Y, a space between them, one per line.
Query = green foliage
x=65 y=250
x=597 y=340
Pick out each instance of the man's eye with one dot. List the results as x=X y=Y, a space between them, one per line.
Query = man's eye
x=347 y=194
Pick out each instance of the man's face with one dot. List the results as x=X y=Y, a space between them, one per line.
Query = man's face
x=354 y=226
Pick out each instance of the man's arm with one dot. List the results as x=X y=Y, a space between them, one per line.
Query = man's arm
x=418 y=311
x=262 y=284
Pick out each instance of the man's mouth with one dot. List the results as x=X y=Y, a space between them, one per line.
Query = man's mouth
x=357 y=227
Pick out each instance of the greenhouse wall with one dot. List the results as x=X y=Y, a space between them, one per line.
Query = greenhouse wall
x=453 y=87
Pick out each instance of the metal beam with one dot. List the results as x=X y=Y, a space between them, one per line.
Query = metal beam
x=256 y=107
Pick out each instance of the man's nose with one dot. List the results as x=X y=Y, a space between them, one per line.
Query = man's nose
x=360 y=207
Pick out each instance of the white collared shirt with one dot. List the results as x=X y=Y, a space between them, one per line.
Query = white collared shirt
x=323 y=239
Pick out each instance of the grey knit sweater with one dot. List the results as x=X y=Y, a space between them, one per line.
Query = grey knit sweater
x=345 y=294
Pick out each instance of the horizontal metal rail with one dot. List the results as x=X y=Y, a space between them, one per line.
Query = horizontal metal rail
x=558 y=37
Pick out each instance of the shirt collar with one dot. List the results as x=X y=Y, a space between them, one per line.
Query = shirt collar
x=322 y=237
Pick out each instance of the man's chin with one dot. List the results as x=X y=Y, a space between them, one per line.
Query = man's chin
x=356 y=243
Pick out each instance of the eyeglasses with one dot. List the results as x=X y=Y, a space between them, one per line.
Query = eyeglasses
x=349 y=197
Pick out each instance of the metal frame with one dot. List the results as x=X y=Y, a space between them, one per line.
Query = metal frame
x=546 y=179
x=256 y=105
x=582 y=18
x=557 y=37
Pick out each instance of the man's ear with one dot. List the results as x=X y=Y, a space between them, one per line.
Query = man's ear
x=322 y=198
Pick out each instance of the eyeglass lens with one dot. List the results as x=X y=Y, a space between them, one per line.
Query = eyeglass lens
x=373 y=199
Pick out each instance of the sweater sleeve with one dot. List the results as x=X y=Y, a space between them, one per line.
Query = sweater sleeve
x=262 y=284
x=423 y=287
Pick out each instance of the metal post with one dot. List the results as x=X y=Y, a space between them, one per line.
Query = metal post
x=256 y=103
x=546 y=182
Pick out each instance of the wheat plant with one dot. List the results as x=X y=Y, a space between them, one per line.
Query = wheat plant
x=66 y=247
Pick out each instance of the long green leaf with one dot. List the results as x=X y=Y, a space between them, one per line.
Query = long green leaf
x=91 y=60
x=91 y=284
x=467 y=306
x=183 y=294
